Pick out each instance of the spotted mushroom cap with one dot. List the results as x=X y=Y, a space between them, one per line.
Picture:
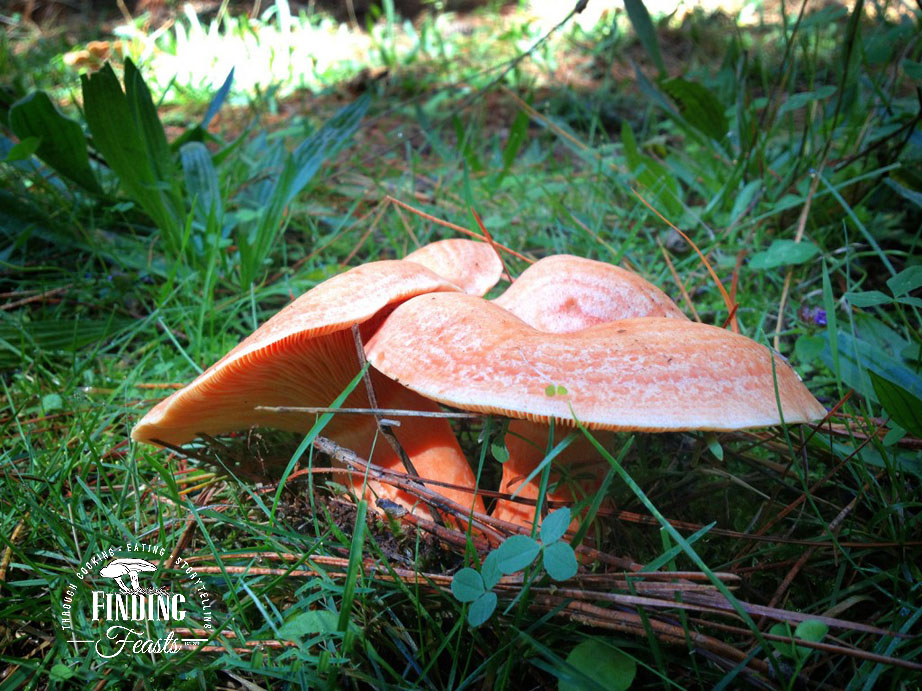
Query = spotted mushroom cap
x=646 y=374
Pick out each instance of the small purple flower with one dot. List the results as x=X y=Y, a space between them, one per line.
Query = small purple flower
x=813 y=314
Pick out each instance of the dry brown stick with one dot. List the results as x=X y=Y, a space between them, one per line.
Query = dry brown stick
x=833 y=527
x=389 y=412
x=373 y=400
x=34 y=298
x=8 y=552
x=453 y=226
x=200 y=500
x=675 y=277
x=396 y=479
x=825 y=647
x=611 y=579
x=629 y=622
x=719 y=602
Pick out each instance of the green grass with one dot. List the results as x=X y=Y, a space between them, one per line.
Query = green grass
x=808 y=133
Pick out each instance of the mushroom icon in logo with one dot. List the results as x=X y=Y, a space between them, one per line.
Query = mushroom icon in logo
x=127 y=567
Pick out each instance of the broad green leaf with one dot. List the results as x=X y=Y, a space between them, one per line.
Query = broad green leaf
x=489 y=570
x=518 y=132
x=555 y=525
x=797 y=101
x=807 y=348
x=893 y=435
x=309 y=623
x=516 y=553
x=52 y=402
x=868 y=298
x=201 y=181
x=912 y=195
x=62 y=144
x=218 y=99
x=499 y=451
x=811 y=630
x=857 y=357
x=481 y=609
x=714 y=446
x=832 y=332
x=786 y=648
x=559 y=561
x=902 y=407
x=699 y=106
x=912 y=69
x=646 y=32
x=23 y=149
x=144 y=113
x=60 y=672
x=602 y=665
x=129 y=136
x=906 y=281
x=744 y=199
x=783 y=253
x=467 y=585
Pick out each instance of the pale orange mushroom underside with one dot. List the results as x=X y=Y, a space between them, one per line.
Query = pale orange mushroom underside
x=305 y=356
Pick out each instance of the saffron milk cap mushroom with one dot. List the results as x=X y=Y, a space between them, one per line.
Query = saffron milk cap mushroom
x=306 y=356
x=559 y=294
x=644 y=374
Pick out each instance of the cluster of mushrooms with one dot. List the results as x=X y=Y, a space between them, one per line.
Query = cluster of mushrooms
x=570 y=339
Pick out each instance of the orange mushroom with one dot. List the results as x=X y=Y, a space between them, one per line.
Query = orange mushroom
x=649 y=374
x=559 y=294
x=306 y=356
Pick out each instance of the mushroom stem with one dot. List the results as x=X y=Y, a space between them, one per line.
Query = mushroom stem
x=429 y=442
x=577 y=472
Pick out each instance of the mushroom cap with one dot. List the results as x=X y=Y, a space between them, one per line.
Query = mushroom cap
x=121 y=567
x=306 y=356
x=289 y=359
x=472 y=266
x=645 y=374
x=563 y=293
